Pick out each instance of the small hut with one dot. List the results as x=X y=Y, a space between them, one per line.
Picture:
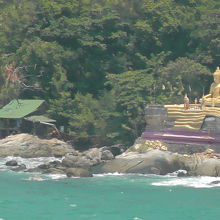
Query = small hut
x=25 y=116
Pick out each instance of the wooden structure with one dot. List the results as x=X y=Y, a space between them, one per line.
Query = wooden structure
x=25 y=116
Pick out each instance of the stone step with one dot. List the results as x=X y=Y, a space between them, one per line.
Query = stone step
x=191 y=118
x=186 y=127
x=189 y=121
x=185 y=116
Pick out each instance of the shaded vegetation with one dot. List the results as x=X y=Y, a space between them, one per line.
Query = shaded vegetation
x=99 y=62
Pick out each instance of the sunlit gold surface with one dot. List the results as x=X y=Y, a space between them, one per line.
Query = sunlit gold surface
x=191 y=118
x=188 y=119
x=213 y=98
x=192 y=115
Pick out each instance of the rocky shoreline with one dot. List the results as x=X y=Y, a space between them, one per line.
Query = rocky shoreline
x=144 y=157
x=69 y=161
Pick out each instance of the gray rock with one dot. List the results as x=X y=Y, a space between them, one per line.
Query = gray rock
x=44 y=166
x=88 y=158
x=96 y=155
x=182 y=174
x=160 y=163
x=152 y=162
x=29 y=146
x=34 y=170
x=117 y=149
x=93 y=154
x=54 y=171
x=55 y=164
x=76 y=161
x=78 y=172
x=215 y=182
x=209 y=167
x=107 y=155
x=11 y=163
x=21 y=167
x=211 y=124
x=69 y=161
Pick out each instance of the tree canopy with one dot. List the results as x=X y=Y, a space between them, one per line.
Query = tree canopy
x=99 y=62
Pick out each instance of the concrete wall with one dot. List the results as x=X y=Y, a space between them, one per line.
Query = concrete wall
x=156 y=118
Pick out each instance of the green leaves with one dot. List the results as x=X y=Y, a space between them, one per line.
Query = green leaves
x=92 y=120
x=132 y=90
x=183 y=76
x=145 y=51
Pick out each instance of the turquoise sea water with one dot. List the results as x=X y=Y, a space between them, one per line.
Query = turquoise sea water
x=135 y=197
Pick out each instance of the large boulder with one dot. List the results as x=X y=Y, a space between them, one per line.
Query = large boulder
x=93 y=154
x=11 y=163
x=54 y=171
x=19 y=168
x=76 y=161
x=116 y=149
x=107 y=155
x=78 y=172
x=209 y=167
x=154 y=161
x=151 y=162
x=91 y=157
x=99 y=154
x=29 y=146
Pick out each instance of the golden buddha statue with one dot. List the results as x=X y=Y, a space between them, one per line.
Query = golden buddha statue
x=213 y=98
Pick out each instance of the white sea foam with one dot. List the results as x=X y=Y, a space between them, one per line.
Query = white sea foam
x=194 y=182
x=56 y=176
x=137 y=218
x=29 y=162
x=73 y=205
x=35 y=178
x=109 y=174
x=43 y=177
x=175 y=174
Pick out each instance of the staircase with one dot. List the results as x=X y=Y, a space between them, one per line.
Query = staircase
x=186 y=119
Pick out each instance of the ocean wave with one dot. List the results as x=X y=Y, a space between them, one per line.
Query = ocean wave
x=137 y=218
x=29 y=162
x=127 y=174
x=109 y=174
x=35 y=178
x=73 y=205
x=176 y=173
x=43 y=177
x=194 y=182
x=57 y=176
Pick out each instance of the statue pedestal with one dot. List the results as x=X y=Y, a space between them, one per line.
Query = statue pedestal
x=155 y=117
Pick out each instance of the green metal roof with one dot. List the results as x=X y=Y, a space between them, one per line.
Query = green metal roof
x=40 y=118
x=19 y=108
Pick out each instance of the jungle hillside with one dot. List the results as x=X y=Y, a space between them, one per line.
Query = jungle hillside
x=98 y=63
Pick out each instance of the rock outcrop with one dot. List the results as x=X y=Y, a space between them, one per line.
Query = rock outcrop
x=146 y=157
x=78 y=172
x=159 y=161
x=11 y=163
x=29 y=146
x=150 y=162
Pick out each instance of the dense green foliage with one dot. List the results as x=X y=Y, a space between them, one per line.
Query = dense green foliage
x=100 y=62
